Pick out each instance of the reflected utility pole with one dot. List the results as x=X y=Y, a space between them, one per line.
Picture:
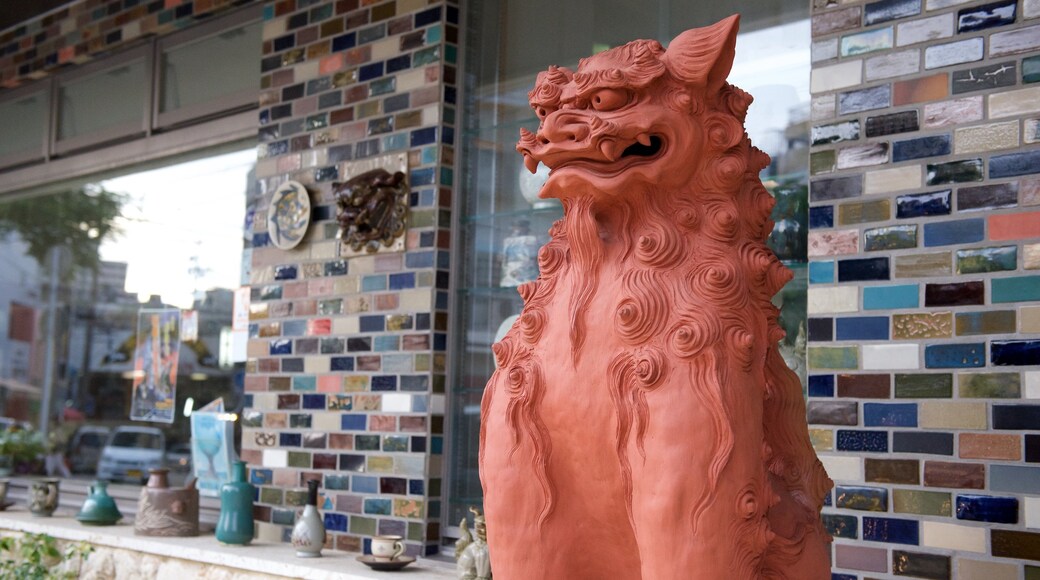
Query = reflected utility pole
x=52 y=324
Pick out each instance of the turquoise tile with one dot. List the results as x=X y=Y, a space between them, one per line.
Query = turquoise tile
x=821 y=272
x=433 y=34
x=1019 y=289
x=304 y=383
x=891 y=297
x=373 y=283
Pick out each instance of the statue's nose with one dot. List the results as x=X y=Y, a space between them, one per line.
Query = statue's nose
x=562 y=126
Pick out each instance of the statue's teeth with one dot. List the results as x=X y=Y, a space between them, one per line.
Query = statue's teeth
x=643 y=139
x=608 y=151
x=530 y=163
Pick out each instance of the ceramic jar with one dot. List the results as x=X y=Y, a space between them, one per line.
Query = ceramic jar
x=308 y=535
x=235 y=525
x=43 y=497
x=166 y=511
x=99 y=509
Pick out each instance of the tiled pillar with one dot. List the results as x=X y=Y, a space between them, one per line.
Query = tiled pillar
x=924 y=301
x=345 y=376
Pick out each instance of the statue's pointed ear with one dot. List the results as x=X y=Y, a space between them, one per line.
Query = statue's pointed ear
x=703 y=56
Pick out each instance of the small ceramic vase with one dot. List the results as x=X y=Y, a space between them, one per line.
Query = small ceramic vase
x=166 y=511
x=99 y=509
x=43 y=497
x=235 y=525
x=308 y=535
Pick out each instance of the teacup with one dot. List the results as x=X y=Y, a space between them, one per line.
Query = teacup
x=387 y=547
x=43 y=497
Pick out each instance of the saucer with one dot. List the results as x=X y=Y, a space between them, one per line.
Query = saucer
x=385 y=565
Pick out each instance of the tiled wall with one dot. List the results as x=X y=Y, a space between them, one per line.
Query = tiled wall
x=924 y=295
x=345 y=377
x=76 y=32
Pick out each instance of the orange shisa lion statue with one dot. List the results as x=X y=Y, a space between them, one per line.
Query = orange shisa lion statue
x=642 y=424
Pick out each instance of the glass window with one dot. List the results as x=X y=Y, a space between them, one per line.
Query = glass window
x=106 y=101
x=230 y=71
x=95 y=263
x=25 y=122
x=503 y=222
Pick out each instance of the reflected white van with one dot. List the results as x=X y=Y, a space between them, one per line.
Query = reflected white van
x=130 y=453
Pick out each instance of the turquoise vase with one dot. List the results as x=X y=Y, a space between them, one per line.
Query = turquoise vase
x=236 y=508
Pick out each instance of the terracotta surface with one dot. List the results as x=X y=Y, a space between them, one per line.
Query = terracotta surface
x=930 y=88
x=642 y=423
x=990 y=446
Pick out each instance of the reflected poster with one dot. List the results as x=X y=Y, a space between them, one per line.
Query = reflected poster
x=155 y=365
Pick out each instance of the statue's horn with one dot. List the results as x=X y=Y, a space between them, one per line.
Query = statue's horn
x=703 y=56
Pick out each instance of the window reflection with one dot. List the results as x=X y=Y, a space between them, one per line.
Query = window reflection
x=170 y=240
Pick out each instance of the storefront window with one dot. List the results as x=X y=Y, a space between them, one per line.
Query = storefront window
x=502 y=221
x=117 y=298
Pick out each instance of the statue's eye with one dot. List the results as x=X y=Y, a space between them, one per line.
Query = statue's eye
x=609 y=99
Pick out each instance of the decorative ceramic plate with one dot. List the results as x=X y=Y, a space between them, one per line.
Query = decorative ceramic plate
x=385 y=565
x=288 y=215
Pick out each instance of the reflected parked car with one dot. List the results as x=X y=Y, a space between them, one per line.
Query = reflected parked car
x=130 y=452
x=85 y=448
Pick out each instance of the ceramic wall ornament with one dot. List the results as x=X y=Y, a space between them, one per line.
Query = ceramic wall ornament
x=166 y=511
x=472 y=560
x=99 y=509
x=641 y=394
x=43 y=497
x=288 y=215
x=371 y=209
x=308 y=535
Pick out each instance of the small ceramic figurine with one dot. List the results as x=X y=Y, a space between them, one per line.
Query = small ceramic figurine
x=166 y=511
x=308 y=535
x=472 y=560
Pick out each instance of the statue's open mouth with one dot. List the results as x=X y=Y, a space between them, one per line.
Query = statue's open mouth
x=638 y=149
x=612 y=159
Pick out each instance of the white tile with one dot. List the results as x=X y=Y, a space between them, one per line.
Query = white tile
x=386 y=48
x=437 y=404
x=891 y=356
x=953 y=53
x=925 y=29
x=1011 y=103
x=327 y=421
x=843 y=468
x=895 y=179
x=1032 y=511
x=823 y=107
x=838 y=76
x=953 y=537
x=824 y=50
x=416 y=300
x=273 y=28
x=1031 y=8
x=316 y=364
x=895 y=64
x=397 y=403
x=346 y=325
x=940 y=4
x=833 y=299
x=276 y=458
x=1013 y=41
x=1032 y=384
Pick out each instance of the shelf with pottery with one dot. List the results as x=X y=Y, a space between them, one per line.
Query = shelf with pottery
x=196 y=552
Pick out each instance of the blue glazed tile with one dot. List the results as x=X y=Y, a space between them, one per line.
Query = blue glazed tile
x=1016 y=417
x=922 y=442
x=1017 y=289
x=261 y=476
x=342 y=363
x=384 y=383
x=386 y=343
x=335 y=522
x=986 y=16
x=424 y=136
x=886 y=10
x=984 y=508
x=1014 y=164
x=370 y=71
x=1015 y=352
x=420 y=403
x=304 y=383
x=337 y=482
x=821 y=385
x=836 y=576
x=398 y=63
x=923 y=204
x=402 y=281
x=863 y=269
x=821 y=272
x=890 y=530
x=424 y=176
x=821 y=217
x=955 y=356
x=290 y=439
x=283 y=42
x=820 y=329
x=857 y=101
x=420 y=260
x=956 y=171
x=891 y=297
x=425 y=17
x=294 y=328
x=280 y=346
x=930 y=146
x=377 y=506
x=416 y=486
x=866 y=441
x=890 y=414
x=344 y=41
x=352 y=422
x=415 y=383
x=314 y=402
x=871 y=499
x=954 y=232
x=841 y=526
x=285 y=273
x=436 y=445
x=862 y=328
x=375 y=323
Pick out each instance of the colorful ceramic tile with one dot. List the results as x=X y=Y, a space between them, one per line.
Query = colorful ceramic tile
x=890 y=238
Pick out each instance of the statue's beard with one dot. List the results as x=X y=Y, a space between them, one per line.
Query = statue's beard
x=586 y=250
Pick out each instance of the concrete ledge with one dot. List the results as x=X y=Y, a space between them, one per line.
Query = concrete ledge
x=257 y=559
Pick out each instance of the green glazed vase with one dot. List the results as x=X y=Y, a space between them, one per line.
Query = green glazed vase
x=99 y=509
x=235 y=525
